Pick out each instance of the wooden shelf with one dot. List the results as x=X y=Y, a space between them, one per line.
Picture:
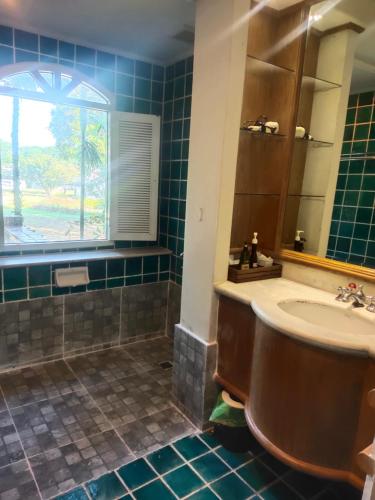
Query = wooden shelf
x=317 y=84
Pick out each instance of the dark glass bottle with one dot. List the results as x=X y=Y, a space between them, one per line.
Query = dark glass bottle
x=244 y=257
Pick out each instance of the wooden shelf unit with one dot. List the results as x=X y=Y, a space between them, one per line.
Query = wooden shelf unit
x=271 y=88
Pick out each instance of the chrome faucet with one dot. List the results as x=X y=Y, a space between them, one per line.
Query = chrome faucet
x=357 y=295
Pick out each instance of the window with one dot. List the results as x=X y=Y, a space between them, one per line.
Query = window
x=60 y=182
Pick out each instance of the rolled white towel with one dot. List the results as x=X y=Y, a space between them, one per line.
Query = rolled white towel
x=254 y=128
x=300 y=132
x=272 y=127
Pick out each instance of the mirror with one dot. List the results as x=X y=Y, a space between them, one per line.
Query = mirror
x=331 y=192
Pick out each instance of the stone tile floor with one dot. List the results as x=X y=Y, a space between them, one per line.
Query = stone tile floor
x=102 y=426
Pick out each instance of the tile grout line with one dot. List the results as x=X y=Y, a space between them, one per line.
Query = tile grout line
x=26 y=458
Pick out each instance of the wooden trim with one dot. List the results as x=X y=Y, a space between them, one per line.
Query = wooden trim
x=366 y=460
x=230 y=387
x=342 y=27
x=293 y=462
x=360 y=272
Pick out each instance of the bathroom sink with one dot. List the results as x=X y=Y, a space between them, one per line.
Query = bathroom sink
x=328 y=316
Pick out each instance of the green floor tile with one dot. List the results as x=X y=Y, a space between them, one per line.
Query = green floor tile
x=279 y=491
x=209 y=466
x=106 y=487
x=210 y=439
x=231 y=486
x=164 y=460
x=233 y=459
x=153 y=491
x=77 y=494
x=278 y=467
x=136 y=473
x=205 y=494
x=183 y=481
x=191 y=447
x=308 y=486
x=256 y=474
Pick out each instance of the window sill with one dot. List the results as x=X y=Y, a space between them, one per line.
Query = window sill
x=83 y=256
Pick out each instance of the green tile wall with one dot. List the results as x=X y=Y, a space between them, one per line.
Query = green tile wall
x=352 y=233
x=174 y=165
x=21 y=283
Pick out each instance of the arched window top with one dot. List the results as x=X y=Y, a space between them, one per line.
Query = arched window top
x=52 y=83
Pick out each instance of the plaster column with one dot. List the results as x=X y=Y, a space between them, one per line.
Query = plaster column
x=219 y=71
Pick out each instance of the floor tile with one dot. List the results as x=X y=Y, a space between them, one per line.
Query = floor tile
x=183 y=481
x=233 y=459
x=255 y=448
x=155 y=490
x=190 y=447
x=306 y=485
x=149 y=433
x=134 y=397
x=16 y=482
x=103 y=366
x=164 y=460
x=57 y=422
x=151 y=352
x=210 y=439
x=76 y=494
x=256 y=474
x=107 y=487
x=61 y=469
x=204 y=494
x=209 y=466
x=136 y=473
x=231 y=486
x=39 y=382
x=10 y=445
x=279 y=491
x=279 y=468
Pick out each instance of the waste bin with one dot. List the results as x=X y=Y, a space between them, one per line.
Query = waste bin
x=230 y=428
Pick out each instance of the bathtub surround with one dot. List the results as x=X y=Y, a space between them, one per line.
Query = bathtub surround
x=194 y=390
x=55 y=327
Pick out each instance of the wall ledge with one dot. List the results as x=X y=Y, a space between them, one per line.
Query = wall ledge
x=82 y=256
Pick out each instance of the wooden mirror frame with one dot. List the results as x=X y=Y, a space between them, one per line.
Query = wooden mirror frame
x=360 y=272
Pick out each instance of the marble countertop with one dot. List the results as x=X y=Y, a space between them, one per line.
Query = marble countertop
x=264 y=296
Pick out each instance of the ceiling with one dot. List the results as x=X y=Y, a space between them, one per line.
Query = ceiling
x=145 y=28
x=361 y=12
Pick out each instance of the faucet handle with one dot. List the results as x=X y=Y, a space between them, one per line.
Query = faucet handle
x=371 y=307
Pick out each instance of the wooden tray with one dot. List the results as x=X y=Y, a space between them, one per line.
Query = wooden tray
x=256 y=273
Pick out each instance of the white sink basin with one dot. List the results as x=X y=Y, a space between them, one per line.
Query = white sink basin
x=328 y=316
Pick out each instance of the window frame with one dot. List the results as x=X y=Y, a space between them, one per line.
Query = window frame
x=78 y=77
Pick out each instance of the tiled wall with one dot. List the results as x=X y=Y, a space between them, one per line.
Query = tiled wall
x=23 y=283
x=352 y=234
x=137 y=85
x=174 y=165
x=55 y=327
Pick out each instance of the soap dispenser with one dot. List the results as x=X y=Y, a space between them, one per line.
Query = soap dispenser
x=298 y=241
x=253 y=255
x=244 y=258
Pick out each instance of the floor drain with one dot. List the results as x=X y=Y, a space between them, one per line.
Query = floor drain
x=165 y=365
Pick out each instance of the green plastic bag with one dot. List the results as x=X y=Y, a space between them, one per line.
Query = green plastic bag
x=226 y=414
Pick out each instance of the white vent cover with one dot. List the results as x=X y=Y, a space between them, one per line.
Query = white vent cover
x=134 y=176
x=72 y=276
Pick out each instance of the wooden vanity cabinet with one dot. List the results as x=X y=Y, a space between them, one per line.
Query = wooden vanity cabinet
x=306 y=404
x=235 y=346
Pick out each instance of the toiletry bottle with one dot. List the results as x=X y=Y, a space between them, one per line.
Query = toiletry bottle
x=244 y=257
x=253 y=256
x=298 y=241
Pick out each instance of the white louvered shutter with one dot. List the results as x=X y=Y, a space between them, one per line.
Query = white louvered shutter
x=135 y=145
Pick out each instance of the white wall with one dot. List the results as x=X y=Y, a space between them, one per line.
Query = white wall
x=219 y=70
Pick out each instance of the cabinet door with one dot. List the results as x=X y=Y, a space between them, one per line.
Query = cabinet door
x=235 y=346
